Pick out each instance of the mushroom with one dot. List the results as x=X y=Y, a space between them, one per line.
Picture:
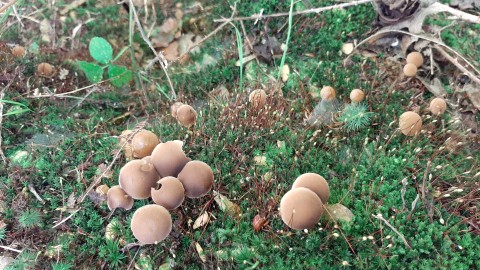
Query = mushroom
x=102 y=189
x=186 y=115
x=169 y=158
x=143 y=143
x=173 y=109
x=301 y=208
x=410 y=123
x=18 y=51
x=169 y=193
x=410 y=70
x=415 y=58
x=197 y=178
x=258 y=98
x=151 y=224
x=438 y=106
x=45 y=69
x=327 y=93
x=118 y=198
x=137 y=177
x=315 y=183
x=357 y=95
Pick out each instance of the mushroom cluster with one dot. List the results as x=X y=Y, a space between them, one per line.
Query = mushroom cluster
x=302 y=206
x=414 y=62
x=163 y=173
x=185 y=114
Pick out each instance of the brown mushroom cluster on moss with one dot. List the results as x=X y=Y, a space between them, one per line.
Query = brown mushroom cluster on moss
x=302 y=206
x=414 y=62
x=185 y=114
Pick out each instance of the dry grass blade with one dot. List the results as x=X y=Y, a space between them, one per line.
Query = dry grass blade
x=380 y=217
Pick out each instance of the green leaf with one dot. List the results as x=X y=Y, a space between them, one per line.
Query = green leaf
x=12 y=102
x=100 y=50
x=93 y=71
x=119 y=75
x=16 y=111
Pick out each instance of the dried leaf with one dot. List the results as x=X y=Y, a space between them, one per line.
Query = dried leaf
x=285 y=73
x=201 y=221
x=258 y=222
x=435 y=86
x=102 y=170
x=260 y=160
x=200 y=252
x=347 y=48
x=473 y=94
x=171 y=52
x=226 y=205
x=46 y=30
x=339 y=212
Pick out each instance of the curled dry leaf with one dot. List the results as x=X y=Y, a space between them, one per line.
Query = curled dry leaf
x=258 y=222
x=201 y=221
x=226 y=205
x=200 y=252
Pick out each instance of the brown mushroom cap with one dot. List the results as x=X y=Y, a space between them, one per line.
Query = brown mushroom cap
x=438 y=106
x=169 y=158
x=137 y=177
x=143 y=143
x=45 y=69
x=186 y=115
x=169 y=193
x=151 y=224
x=410 y=70
x=327 y=93
x=175 y=106
x=415 y=58
x=197 y=178
x=357 y=95
x=315 y=183
x=18 y=51
x=410 y=123
x=301 y=208
x=258 y=98
x=118 y=198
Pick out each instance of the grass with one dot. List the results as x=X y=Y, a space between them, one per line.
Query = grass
x=365 y=169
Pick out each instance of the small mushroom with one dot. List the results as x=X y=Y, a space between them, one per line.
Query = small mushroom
x=258 y=98
x=174 y=108
x=415 y=58
x=327 y=93
x=315 y=183
x=143 y=143
x=44 y=69
x=301 y=208
x=186 y=115
x=169 y=193
x=151 y=224
x=410 y=123
x=102 y=189
x=169 y=158
x=357 y=95
x=18 y=51
x=197 y=178
x=410 y=70
x=438 y=106
x=137 y=177
x=118 y=198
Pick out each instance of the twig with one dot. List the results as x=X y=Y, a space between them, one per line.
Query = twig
x=34 y=192
x=457 y=64
x=2 y=95
x=7 y=5
x=284 y=14
x=380 y=217
x=439 y=7
x=67 y=218
x=11 y=249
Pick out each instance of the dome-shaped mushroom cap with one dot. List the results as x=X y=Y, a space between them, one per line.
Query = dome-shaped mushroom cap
x=170 y=193
x=197 y=178
x=410 y=70
x=410 y=123
x=174 y=108
x=415 y=58
x=118 y=198
x=18 y=51
x=143 y=143
x=169 y=158
x=137 y=177
x=258 y=98
x=301 y=208
x=44 y=69
x=357 y=95
x=186 y=115
x=151 y=224
x=315 y=183
x=327 y=93
x=438 y=106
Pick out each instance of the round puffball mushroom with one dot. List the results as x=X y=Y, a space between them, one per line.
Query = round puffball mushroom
x=118 y=198
x=18 y=51
x=415 y=58
x=186 y=115
x=168 y=193
x=174 y=108
x=258 y=98
x=410 y=123
x=327 y=93
x=143 y=143
x=438 y=106
x=44 y=69
x=315 y=183
x=357 y=95
x=301 y=208
x=169 y=158
x=151 y=224
x=137 y=178
x=410 y=70
x=197 y=178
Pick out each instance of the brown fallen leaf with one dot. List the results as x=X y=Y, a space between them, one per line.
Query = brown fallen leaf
x=201 y=221
x=199 y=249
x=227 y=206
x=339 y=212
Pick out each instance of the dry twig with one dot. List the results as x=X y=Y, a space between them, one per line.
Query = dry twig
x=457 y=64
x=11 y=249
x=34 y=192
x=7 y=5
x=380 y=217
